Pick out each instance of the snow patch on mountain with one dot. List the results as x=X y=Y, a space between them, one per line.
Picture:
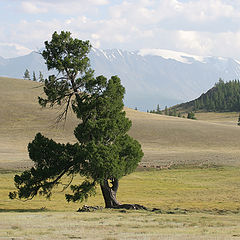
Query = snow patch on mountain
x=168 y=54
x=109 y=54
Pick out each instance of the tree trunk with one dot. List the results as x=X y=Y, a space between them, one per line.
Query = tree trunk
x=109 y=193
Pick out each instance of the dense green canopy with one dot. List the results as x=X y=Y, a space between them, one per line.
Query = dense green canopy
x=104 y=152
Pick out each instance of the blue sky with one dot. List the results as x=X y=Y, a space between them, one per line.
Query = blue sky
x=200 y=27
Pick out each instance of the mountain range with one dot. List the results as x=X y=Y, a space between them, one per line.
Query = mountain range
x=150 y=76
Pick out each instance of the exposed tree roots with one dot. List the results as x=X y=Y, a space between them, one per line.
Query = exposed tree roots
x=86 y=208
x=131 y=206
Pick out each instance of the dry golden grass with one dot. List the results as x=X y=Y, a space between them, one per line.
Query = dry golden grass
x=21 y=117
x=175 y=140
x=226 y=118
x=164 y=139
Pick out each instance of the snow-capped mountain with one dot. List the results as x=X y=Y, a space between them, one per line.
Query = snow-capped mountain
x=150 y=76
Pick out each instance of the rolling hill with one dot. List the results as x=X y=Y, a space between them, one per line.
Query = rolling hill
x=165 y=140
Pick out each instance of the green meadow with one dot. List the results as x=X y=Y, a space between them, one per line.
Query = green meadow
x=183 y=189
x=191 y=203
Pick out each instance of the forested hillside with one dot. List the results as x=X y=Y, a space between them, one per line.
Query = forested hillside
x=223 y=97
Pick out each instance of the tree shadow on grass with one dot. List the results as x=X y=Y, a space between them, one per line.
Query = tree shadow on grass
x=19 y=210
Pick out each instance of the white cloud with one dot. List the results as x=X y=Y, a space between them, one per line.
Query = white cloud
x=13 y=49
x=33 y=8
x=195 y=42
x=69 y=21
x=202 y=27
x=95 y=36
x=208 y=10
x=99 y=2
x=62 y=6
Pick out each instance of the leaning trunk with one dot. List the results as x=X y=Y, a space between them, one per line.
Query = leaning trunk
x=110 y=192
x=109 y=195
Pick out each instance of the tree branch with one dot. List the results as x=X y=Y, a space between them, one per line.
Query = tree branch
x=63 y=115
x=67 y=185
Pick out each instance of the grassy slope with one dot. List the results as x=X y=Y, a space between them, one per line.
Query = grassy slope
x=164 y=139
x=169 y=139
x=22 y=117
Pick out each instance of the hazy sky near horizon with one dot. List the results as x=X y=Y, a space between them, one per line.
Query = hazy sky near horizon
x=200 y=27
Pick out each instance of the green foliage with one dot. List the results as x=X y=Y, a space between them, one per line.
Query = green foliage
x=166 y=110
x=34 y=77
x=69 y=57
x=51 y=161
x=223 y=97
x=27 y=75
x=66 y=54
x=191 y=115
x=56 y=91
x=157 y=111
x=81 y=192
x=41 y=79
x=172 y=112
x=104 y=150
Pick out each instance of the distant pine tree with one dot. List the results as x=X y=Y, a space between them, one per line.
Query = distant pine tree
x=191 y=115
x=157 y=111
x=166 y=111
x=41 y=79
x=26 y=75
x=34 y=77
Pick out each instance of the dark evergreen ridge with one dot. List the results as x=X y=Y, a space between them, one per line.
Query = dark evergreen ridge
x=223 y=97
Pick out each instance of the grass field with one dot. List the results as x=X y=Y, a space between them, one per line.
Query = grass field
x=115 y=225
x=193 y=203
x=194 y=189
x=197 y=190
